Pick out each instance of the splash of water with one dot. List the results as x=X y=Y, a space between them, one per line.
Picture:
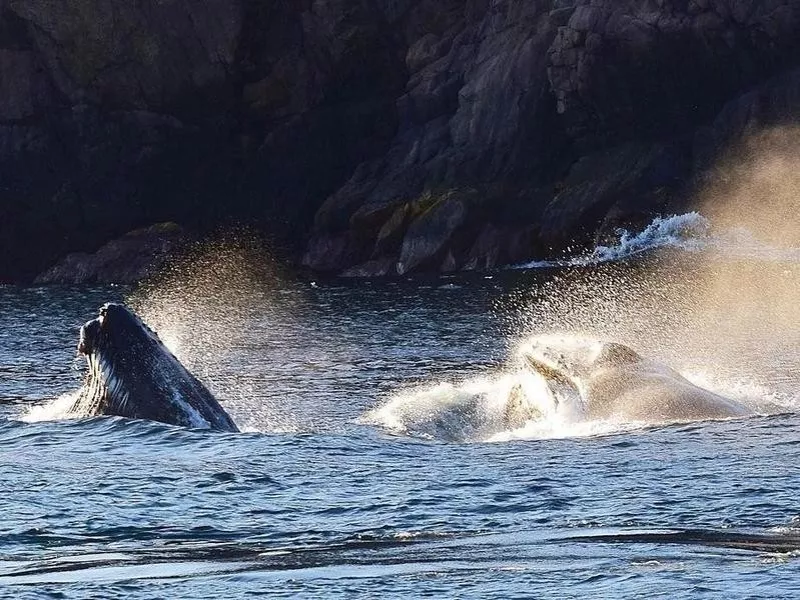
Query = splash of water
x=474 y=410
x=471 y=410
x=52 y=410
x=689 y=232
x=210 y=305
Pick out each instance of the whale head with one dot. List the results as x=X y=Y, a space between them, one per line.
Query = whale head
x=132 y=374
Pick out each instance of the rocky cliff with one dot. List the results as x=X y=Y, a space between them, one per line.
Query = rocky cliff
x=374 y=136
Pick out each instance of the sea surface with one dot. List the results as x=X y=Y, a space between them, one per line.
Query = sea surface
x=369 y=466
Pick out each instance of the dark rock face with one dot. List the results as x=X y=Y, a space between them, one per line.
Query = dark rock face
x=138 y=55
x=621 y=180
x=131 y=258
x=375 y=137
x=475 y=114
x=569 y=119
x=117 y=114
x=621 y=69
x=431 y=232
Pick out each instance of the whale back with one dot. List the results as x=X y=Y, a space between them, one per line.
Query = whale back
x=629 y=387
x=132 y=374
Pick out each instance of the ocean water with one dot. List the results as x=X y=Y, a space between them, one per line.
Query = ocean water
x=370 y=464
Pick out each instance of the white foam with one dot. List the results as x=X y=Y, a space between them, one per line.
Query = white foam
x=53 y=410
x=472 y=410
x=690 y=232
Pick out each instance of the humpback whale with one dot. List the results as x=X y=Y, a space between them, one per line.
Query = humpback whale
x=132 y=374
x=616 y=383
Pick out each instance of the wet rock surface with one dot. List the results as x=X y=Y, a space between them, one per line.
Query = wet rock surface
x=332 y=124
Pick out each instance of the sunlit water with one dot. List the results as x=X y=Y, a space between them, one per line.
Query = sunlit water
x=330 y=492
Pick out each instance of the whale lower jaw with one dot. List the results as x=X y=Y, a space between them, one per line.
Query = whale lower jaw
x=103 y=391
x=552 y=372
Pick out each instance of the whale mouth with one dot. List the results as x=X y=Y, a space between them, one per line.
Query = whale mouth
x=552 y=364
x=562 y=364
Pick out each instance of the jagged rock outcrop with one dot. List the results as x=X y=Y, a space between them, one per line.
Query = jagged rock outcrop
x=135 y=256
x=374 y=137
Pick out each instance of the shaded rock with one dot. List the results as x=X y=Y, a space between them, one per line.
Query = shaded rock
x=131 y=258
x=499 y=246
x=336 y=212
x=319 y=121
x=378 y=267
x=623 y=70
x=776 y=102
x=390 y=236
x=133 y=54
x=275 y=104
x=389 y=193
x=23 y=88
x=488 y=250
x=523 y=245
x=476 y=109
x=500 y=122
x=450 y=263
x=334 y=253
x=430 y=233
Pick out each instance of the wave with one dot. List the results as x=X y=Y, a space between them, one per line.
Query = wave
x=60 y=409
x=689 y=232
x=131 y=553
x=780 y=542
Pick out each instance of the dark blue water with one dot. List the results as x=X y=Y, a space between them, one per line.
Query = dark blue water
x=312 y=501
